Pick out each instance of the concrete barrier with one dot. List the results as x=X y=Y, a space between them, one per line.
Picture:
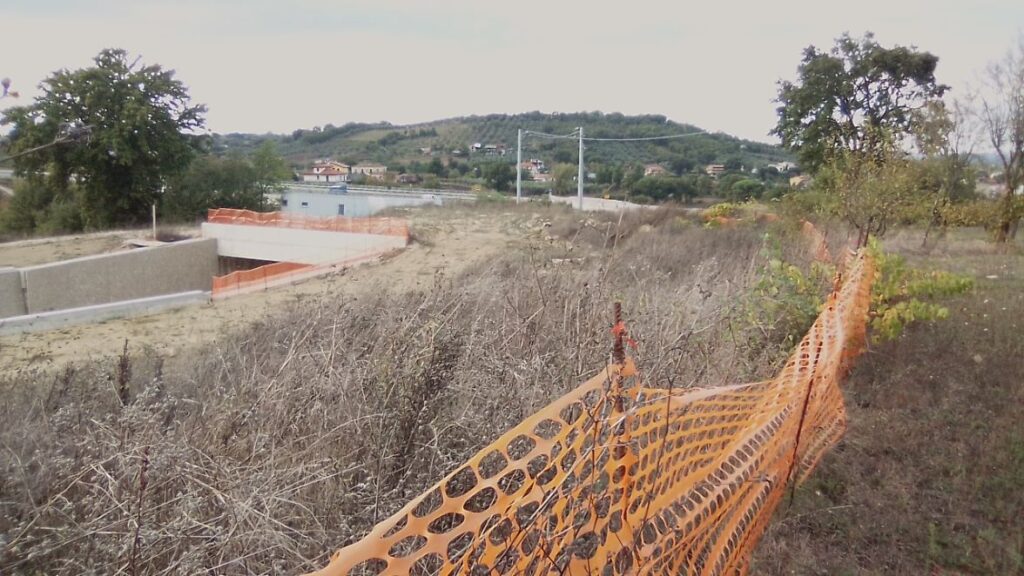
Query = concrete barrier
x=591 y=204
x=295 y=244
x=169 y=269
x=62 y=318
x=12 y=297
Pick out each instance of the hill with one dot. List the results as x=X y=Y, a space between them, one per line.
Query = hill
x=453 y=138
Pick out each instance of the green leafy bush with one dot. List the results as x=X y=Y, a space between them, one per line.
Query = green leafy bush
x=787 y=298
x=722 y=210
x=902 y=294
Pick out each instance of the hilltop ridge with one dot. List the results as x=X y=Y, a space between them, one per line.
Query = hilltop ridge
x=453 y=138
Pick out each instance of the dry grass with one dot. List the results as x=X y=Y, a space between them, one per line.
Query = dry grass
x=264 y=452
x=287 y=440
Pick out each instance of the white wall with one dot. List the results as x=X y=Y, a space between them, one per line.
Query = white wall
x=591 y=204
x=357 y=204
x=294 y=244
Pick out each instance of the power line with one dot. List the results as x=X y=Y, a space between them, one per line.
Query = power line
x=571 y=136
x=647 y=138
x=574 y=135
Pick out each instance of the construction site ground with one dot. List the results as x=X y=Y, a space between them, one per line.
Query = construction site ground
x=447 y=241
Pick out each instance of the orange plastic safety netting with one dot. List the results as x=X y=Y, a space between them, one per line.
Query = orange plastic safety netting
x=370 y=225
x=819 y=246
x=242 y=279
x=616 y=478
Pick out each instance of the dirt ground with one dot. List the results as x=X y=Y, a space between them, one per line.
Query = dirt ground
x=449 y=240
x=45 y=250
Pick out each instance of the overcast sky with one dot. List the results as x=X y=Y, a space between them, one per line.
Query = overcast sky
x=277 y=66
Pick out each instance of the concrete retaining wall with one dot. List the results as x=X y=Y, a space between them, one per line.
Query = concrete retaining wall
x=169 y=269
x=99 y=313
x=12 y=298
x=295 y=244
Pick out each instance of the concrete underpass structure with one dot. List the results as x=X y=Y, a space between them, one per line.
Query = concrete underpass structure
x=295 y=244
x=150 y=279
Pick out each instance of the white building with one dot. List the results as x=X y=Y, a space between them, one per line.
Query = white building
x=371 y=171
x=328 y=171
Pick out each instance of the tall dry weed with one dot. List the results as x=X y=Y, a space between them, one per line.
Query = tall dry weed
x=261 y=453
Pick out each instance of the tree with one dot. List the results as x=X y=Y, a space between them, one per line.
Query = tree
x=565 y=178
x=122 y=129
x=945 y=175
x=212 y=182
x=870 y=190
x=745 y=189
x=853 y=99
x=1001 y=115
x=499 y=175
x=269 y=170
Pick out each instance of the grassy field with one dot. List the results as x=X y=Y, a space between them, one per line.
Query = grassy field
x=291 y=435
x=930 y=476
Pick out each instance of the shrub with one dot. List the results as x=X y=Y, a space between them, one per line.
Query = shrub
x=902 y=295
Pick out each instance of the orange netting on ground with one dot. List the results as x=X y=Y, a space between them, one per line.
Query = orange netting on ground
x=385 y=226
x=819 y=245
x=242 y=279
x=615 y=478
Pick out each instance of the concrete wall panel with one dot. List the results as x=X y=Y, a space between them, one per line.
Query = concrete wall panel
x=295 y=244
x=12 y=299
x=141 y=273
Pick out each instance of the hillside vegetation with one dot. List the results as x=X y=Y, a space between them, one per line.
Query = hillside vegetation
x=389 y=144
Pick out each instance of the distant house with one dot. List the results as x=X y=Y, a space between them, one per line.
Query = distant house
x=476 y=147
x=654 y=170
x=783 y=167
x=408 y=179
x=327 y=171
x=535 y=168
x=800 y=181
x=371 y=171
x=714 y=170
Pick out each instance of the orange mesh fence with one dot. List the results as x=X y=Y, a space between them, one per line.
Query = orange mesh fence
x=241 y=279
x=385 y=226
x=616 y=478
x=819 y=246
x=280 y=273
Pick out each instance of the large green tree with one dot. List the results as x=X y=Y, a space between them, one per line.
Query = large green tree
x=109 y=135
x=854 y=98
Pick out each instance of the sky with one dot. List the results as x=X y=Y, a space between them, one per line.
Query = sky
x=278 y=66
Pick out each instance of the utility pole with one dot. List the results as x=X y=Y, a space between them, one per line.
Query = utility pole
x=579 y=178
x=519 y=167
